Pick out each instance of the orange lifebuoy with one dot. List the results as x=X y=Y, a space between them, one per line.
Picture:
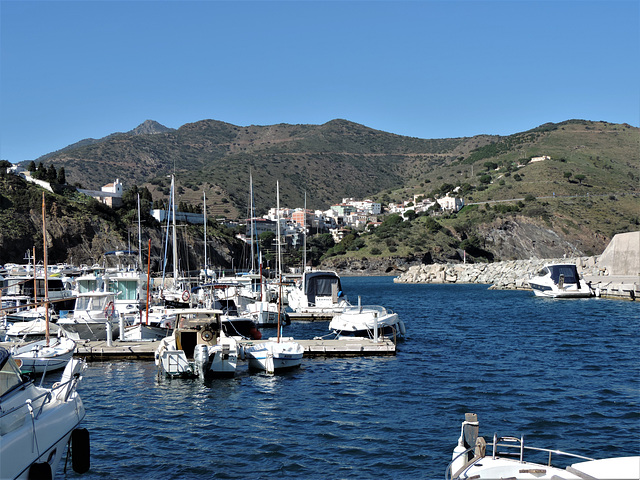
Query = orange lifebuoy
x=186 y=296
x=110 y=306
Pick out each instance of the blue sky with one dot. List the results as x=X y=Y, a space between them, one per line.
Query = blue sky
x=429 y=69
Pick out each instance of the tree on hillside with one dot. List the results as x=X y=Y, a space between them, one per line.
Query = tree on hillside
x=579 y=177
x=567 y=175
x=61 y=178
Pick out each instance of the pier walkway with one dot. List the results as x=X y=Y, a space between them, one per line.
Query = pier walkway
x=97 y=351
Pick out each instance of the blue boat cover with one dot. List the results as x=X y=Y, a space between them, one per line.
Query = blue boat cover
x=570 y=273
x=319 y=283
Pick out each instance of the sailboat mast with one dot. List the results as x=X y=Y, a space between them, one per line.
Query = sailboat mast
x=46 y=286
x=279 y=257
x=304 y=236
x=148 y=280
x=175 y=243
x=204 y=215
x=251 y=220
x=139 y=237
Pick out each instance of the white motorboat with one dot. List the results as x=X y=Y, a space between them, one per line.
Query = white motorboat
x=317 y=292
x=560 y=280
x=274 y=355
x=197 y=347
x=36 y=423
x=31 y=331
x=44 y=356
x=364 y=321
x=93 y=317
x=507 y=460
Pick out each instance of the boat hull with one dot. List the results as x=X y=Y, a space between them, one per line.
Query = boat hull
x=274 y=357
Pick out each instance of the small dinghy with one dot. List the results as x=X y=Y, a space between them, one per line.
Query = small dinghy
x=275 y=355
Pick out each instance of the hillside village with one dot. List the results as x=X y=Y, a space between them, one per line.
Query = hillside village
x=338 y=220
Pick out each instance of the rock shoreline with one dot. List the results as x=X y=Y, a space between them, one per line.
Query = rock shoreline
x=505 y=275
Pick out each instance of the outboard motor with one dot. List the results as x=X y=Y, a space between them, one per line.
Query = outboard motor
x=201 y=358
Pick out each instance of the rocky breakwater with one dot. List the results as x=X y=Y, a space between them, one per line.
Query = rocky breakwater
x=506 y=275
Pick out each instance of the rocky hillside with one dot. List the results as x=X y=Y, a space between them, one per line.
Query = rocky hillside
x=583 y=191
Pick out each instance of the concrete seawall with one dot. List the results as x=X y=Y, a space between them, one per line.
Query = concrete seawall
x=616 y=273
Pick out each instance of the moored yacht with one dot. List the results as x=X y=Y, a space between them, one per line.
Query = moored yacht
x=198 y=346
x=560 y=280
x=317 y=292
x=94 y=317
x=36 y=423
x=364 y=321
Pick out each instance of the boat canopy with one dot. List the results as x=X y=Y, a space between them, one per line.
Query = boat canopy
x=570 y=273
x=319 y=284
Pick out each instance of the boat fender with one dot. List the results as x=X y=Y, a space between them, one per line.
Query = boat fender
x=186 y=296
x=241 y=353
x=80 y=450
x=40 y=471
x=403 y=329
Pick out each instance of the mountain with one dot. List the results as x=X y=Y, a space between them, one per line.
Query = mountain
x=583 y=191
x=149 y=127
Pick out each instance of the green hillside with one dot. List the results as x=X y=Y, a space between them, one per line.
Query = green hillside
x=583 y=192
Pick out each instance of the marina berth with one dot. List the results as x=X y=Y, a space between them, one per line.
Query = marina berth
x=37 y=423
x=198 y=346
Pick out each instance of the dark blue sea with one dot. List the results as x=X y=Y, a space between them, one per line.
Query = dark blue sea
x=563 y=373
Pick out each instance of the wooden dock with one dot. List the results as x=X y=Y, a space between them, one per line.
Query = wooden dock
x=98 y=351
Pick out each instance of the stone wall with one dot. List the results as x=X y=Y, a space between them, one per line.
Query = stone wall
x=512 y=274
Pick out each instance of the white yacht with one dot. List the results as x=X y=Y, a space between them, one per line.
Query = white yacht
x=364 y=321
x=559 y=280
x=317 y=292
x=198 y=346
x=53 y=413
x=93 y=318
x=44 y=356
x=506 y=459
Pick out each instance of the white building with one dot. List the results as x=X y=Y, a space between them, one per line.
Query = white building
x=450 y=204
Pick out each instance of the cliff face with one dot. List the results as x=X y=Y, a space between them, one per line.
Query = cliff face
x=525 y=237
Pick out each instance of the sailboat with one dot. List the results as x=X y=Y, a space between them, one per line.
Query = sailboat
x=44 y=355
x=277 y=354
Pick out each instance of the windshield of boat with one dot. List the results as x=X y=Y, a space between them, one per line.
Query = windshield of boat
x=93 y=303
x=10 y=377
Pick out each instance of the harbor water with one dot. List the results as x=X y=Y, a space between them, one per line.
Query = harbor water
x=563 y=373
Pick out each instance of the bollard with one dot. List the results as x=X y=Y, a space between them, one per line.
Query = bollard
x=122 y=326
x=109 y=333
x=375 y=327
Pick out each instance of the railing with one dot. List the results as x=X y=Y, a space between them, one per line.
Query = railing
x=518 y=451
x=44 y=398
